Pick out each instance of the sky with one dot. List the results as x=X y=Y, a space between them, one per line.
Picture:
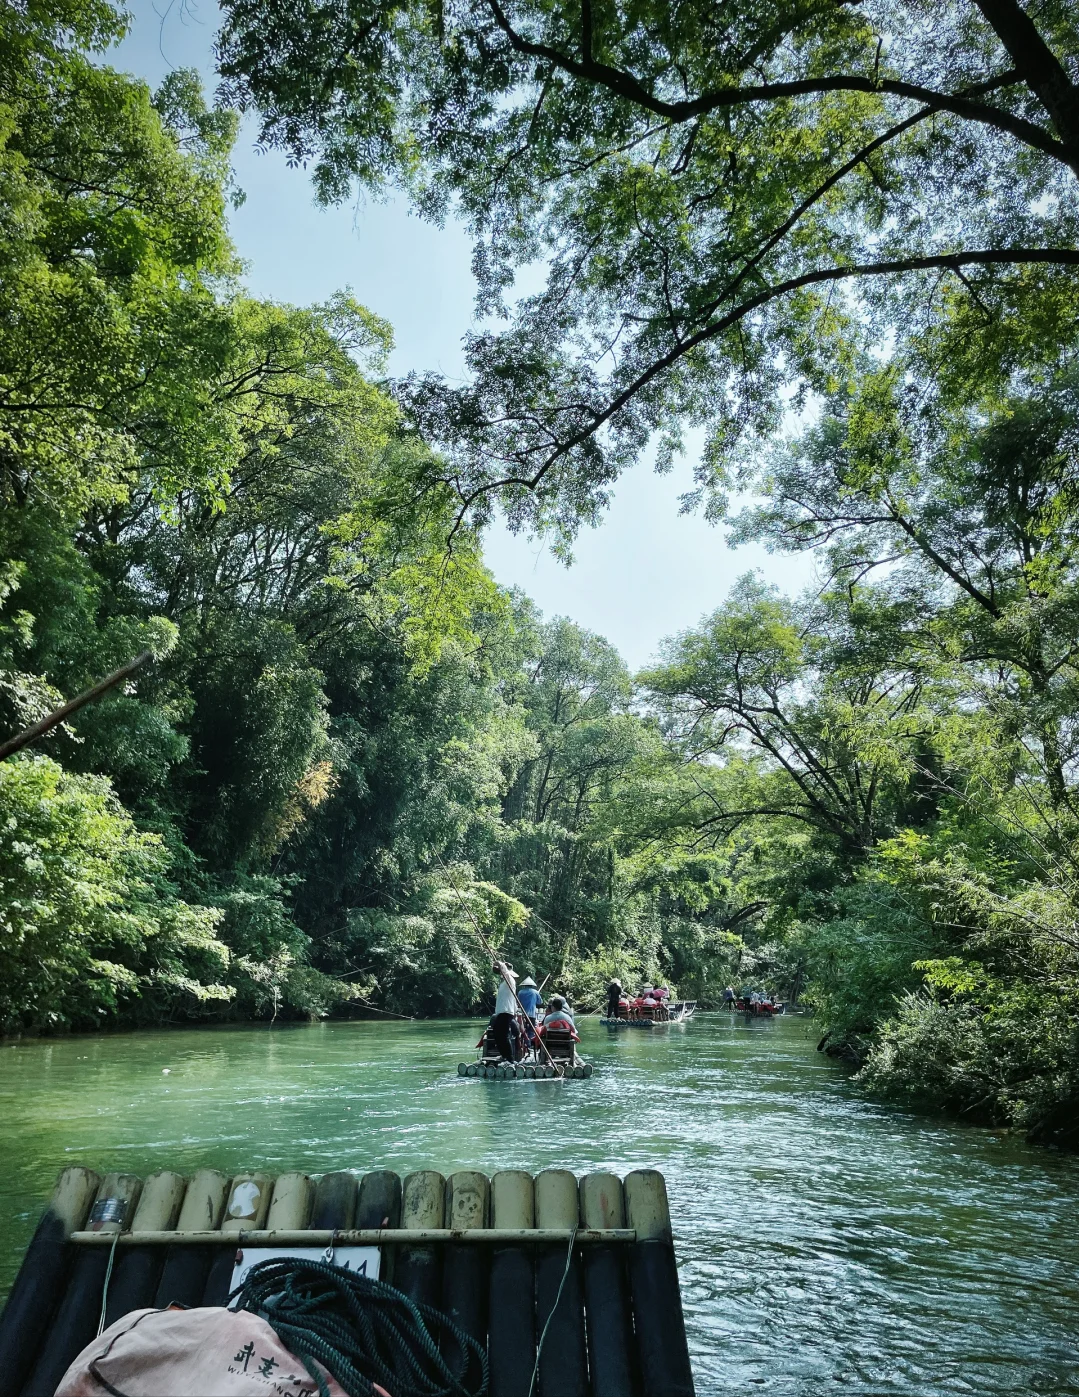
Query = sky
x=647 y=571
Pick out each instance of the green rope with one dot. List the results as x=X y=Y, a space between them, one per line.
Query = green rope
x=360 y=1330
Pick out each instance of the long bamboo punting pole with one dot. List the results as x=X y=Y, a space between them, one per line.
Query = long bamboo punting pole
x=66 y=710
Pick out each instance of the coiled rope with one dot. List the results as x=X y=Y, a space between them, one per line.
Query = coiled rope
x=360 y=1330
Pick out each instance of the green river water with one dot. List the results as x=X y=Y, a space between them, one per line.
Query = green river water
x=825 y=1244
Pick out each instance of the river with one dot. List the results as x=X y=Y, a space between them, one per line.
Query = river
x=825 y=1243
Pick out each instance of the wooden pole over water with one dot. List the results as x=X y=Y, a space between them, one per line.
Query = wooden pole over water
x=58 y=715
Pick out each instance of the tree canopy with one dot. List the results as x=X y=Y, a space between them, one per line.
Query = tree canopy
x=721 y=200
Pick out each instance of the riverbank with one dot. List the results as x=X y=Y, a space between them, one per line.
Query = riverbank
x=824 y=1241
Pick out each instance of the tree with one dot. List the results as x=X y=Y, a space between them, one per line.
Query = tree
x=972 y=512
x=112 y=253
x=182 y=463
x=720 y=198
x=558 y=852
x=90 y=927
x=804 y=713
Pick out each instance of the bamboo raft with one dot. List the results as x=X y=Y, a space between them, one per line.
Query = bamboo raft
x=586 y=1266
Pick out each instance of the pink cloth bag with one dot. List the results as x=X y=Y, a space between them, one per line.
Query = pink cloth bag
x=209 y=1352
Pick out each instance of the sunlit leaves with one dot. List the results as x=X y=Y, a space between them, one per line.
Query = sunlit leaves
x=675 y=171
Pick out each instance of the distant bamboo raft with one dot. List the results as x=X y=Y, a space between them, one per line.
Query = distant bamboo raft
x=493 y=1253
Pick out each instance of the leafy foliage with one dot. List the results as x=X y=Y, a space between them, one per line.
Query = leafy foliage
x=355 y=756
x=719 y=199
x=89 y=924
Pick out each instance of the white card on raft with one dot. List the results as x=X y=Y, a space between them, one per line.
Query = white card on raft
x=362 y=1261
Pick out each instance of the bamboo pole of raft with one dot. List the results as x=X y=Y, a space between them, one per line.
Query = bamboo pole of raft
x=562 y=1367
x=42 y=1278
x=246 y=1210
x=137 y=1272
x=76 y=1320
x=335 y=1201
x=378 y=1206
x=658 y=1322
x=465 y=1269
x=361 y=1236
x=183 y=1276
x=511 y=1338
x=608 y=1322
x=289 y=1211
x=290 y=1207
x=419 y=1268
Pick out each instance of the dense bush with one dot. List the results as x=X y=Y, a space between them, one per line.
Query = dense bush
x=89 y=925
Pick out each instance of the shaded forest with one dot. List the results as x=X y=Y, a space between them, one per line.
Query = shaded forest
x=352 y=744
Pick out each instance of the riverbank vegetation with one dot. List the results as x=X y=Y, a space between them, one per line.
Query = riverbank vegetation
x=353 y=745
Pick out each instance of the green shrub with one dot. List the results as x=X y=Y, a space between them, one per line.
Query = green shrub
x=88 y=923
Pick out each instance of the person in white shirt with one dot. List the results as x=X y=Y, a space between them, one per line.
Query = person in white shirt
x=504 y=1021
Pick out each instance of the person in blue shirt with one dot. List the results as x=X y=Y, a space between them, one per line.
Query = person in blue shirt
x=530 y=997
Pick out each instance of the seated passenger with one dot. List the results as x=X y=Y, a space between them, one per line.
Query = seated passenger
x=559 y=1017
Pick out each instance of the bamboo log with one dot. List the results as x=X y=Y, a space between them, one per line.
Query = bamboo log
x=40 y=1284
x=511 y=1341
x=419 y=1269
x=608 y=1321
x=563 y=1368
x=466 y=1269
x=359 y=1236
x=183 y=1275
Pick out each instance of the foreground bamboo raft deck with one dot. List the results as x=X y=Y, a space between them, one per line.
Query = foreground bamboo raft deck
x=590 y=1261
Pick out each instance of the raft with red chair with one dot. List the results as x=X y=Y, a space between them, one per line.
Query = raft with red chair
x=548 y=1051
x=759 y=1008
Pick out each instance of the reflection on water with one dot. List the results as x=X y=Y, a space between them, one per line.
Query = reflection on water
x=824 y=1243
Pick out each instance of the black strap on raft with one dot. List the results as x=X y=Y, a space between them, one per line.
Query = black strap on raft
x=360 y=1330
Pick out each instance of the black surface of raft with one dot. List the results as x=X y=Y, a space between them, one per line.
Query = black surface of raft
x=609 y=1313
x=37 y=1291
x=563 y=1368
x=74 y=1324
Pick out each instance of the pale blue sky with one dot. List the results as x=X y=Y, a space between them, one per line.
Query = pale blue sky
x=647 y=571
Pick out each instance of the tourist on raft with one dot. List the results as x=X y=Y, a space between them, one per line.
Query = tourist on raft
x=559 y=1017
x=504 y=1020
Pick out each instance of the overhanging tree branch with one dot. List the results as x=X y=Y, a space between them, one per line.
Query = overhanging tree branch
x=58 y=715
x=949 y=261
x=625 y=85
x=1039 y=68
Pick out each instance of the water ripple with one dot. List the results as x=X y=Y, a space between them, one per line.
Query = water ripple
x=825 y=1243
